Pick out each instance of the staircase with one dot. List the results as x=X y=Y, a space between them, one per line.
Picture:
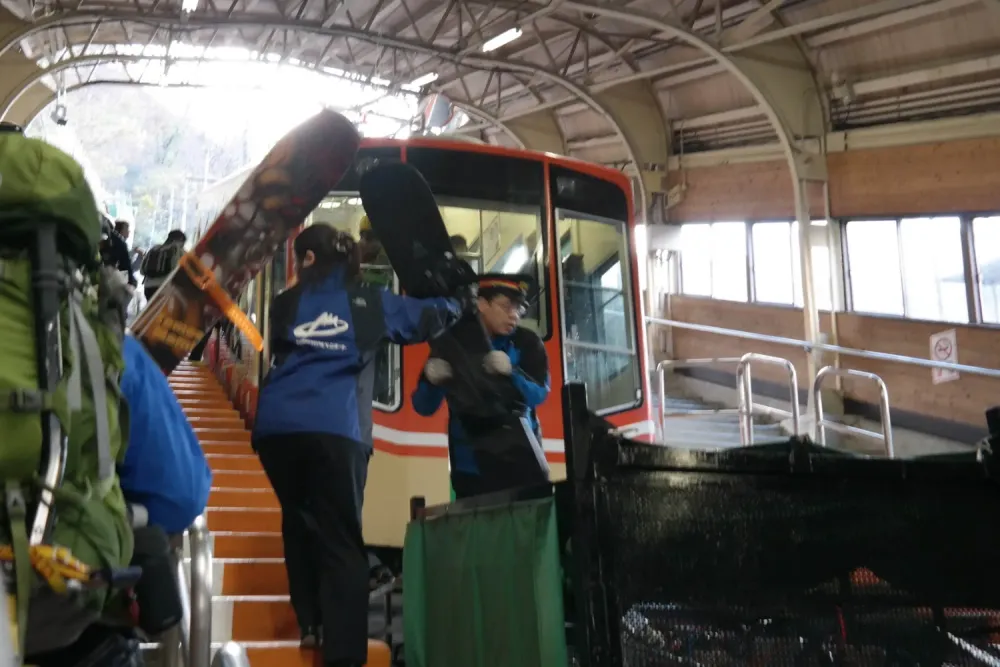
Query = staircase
x=250 y=602
x=710 y=431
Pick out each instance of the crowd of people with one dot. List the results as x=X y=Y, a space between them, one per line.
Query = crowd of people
x=313 y=430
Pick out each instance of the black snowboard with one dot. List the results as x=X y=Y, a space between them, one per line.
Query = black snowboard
x=408 y=223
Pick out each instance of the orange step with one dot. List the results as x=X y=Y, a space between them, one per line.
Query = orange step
x=263 y=498
x=240 y=448
x=210 y=422
x=263 y=618
x=220 y=403
x=231 y=434
x=291 y=656
x=193 y=412
x=248 y=545
x=233 y=458
x=240 y=479
x=255 y=577
x=238 y=520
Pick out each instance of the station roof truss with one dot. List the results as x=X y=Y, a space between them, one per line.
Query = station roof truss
x=578 y=62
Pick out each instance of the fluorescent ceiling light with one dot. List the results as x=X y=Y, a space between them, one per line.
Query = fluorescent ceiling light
x=189 y=6
x=502 y=39
x=424 y=80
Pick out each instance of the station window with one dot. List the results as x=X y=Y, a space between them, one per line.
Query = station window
x=598 y=323
x=933 y=269
x=874 y=266
x=714 y=260
x=776 y=271
x=986 y=235
x=910 y=267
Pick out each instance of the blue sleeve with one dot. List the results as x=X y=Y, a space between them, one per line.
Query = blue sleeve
x=164 y=468
x=426 y=398
x=531 y=375
x=534 y=394
x=409 y=320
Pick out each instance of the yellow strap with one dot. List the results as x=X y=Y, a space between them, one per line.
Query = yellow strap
x=15 y=634
x=55 y=564
x=206 y=282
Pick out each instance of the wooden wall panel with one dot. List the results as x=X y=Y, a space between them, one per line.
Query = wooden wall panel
x=947 y=177
x=753 y=191
x=910 y=387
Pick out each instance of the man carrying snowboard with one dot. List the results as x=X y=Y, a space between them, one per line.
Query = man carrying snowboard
x=490 y=457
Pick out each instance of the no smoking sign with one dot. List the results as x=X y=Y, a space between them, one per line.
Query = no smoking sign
x=944 y=347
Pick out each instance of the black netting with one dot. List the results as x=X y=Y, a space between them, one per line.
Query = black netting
x=847 y=563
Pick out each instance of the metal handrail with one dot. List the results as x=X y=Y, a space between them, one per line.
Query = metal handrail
x=822 y=423
x=671 y=364
x=745 y=391
x=200 y=627
x=824 y=347
x=231 y=655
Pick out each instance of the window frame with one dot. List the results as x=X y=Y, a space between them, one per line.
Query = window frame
x=749 y=264
x=558 y=214
x=967 y=240
x=544 y=305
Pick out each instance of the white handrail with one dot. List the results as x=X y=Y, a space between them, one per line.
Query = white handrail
x=745 y=391
x=200 y=640
x=822 y=423
x=846 y=351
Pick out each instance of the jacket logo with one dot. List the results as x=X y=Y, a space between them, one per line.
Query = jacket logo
x=326 y=325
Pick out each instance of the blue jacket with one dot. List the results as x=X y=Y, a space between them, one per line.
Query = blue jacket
x=530 y=378
x=164 y=468
x=324 y=335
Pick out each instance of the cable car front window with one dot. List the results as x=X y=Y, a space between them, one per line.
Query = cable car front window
x=597 y=310
x=493 y=237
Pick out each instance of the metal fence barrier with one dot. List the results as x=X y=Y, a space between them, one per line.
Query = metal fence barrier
x=745 y=390
x=822 y=423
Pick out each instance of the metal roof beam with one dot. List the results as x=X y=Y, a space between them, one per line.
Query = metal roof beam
x=197 y=21
x=709 y=67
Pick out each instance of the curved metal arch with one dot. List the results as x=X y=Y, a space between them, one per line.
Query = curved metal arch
x=25 y=84
x=640 y=18
x=67 y=18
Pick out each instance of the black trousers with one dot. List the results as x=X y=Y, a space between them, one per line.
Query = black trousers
x=505 y=461
x=320 y=483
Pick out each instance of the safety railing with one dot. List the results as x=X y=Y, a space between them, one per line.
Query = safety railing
x=189 y=644
x=822 y=423
x=825 y=347
x=231 y=655
x=747 y=408
x=744 y=389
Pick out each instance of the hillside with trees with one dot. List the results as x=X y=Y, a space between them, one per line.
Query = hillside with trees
x=149 y=153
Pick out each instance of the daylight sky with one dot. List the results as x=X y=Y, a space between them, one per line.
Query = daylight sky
x=242 y=90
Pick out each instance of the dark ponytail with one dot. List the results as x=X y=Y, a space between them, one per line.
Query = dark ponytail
x=333 y=250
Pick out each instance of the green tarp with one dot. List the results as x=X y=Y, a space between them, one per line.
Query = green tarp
x=484 y=589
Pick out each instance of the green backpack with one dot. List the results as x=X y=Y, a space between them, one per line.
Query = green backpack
x=64 y=428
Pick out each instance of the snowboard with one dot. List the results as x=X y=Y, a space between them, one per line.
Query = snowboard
x=294 y=177
x=405 y=217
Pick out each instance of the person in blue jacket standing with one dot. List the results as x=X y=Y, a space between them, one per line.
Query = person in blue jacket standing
x=313 y=430
x=491 y=457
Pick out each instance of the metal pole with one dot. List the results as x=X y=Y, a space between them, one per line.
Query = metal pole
x=201 y=594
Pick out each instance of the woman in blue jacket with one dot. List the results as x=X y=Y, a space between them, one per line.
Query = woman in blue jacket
x=313 y=430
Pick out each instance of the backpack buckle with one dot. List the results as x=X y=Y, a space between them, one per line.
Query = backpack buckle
x=22 y=400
